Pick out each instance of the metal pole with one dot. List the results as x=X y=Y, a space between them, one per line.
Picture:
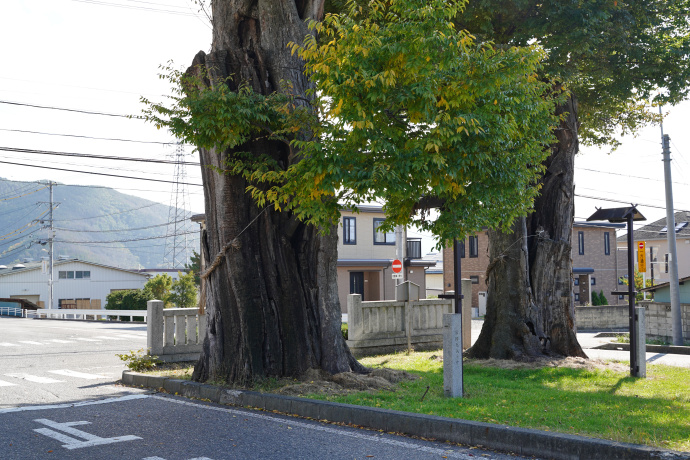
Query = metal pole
x=457 y=272
x=400 y=252
x=457 y=266
x=50 y=248
x=676 y=324
x=631 y=297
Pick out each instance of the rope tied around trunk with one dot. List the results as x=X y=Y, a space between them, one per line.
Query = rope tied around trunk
x=234 y=244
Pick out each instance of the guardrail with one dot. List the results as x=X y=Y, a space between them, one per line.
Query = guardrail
x=96 y=314
x=13 y=311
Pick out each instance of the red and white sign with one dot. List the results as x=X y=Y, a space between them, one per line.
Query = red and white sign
x=397 y=266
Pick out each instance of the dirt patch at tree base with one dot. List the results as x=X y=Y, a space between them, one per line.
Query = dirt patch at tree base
x=316 y=381
x=539 y=362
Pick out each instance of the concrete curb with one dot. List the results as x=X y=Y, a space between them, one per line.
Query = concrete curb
x=521 y=441
x=669 y=349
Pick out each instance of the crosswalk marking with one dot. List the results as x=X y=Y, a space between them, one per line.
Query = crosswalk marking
x=5 y=344
x=107 y=337
x=83 y=339
x=6 y=384
x=81 y=375
x=34 y=378
x=60 y=341
x=132 y=336
x=30 y=342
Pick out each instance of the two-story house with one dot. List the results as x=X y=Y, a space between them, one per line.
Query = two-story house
x=655 y=236
x=593 y=253
x=365 y=255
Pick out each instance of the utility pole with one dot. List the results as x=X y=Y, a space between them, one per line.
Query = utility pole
x=676 y=324
x=50 y=248
x=51 y=237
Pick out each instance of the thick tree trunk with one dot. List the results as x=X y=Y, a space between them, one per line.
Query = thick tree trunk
x=530 y=310
x=272 y=303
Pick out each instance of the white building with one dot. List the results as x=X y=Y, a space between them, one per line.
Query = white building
x=76 y=284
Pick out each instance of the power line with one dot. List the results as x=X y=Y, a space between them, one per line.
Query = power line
x=94 y=156
x=625 y=202
x=121 y=241
x=71 y=110
x=95 y=173
x=115 y=230
x=627 y=175
x=86 y=137
x=111 y=214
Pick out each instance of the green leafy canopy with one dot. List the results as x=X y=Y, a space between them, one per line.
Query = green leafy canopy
x=406 y=107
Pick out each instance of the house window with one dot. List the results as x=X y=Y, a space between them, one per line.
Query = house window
x=621 y=297
x=349 y=230
x=593 y=281
x=62 y=275
x=581 y=243
x=576 y=281
x=474 y=279
x=474 y=246
x=577 y=297
x=82 y=274
x=382 y=237
x=461 y=245
x=666 y=260
x=607 y=244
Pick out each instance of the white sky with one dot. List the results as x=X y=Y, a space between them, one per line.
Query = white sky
x=90 y=55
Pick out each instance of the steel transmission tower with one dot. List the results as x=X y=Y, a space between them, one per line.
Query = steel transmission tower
x=179 y=224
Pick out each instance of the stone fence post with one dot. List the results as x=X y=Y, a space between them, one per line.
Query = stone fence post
x=355 y=326
x=154 y=326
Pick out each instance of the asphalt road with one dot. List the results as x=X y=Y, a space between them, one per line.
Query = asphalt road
x=49 y=361
x=154 y=427
x=59 y=399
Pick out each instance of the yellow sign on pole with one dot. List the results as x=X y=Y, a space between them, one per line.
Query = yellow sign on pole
x=641 y=257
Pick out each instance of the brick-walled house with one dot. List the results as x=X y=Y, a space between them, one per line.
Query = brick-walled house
x=594 y=263
x=474 y=251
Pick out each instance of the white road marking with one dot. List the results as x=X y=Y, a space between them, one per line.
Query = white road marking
x=60 y=341
x=132 y=336
x=34 y=378
x=326 y=429
x=109 y=337
x=83 y=339
x=71 y=443
x=30 y=342
x=6 y=384
x=6 y=344
x=67 y=406
x=81 y=375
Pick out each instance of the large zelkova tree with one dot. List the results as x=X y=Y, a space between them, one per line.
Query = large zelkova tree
x=615 y=58
x=295 y=119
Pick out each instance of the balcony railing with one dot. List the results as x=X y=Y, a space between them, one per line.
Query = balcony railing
x=414 y=248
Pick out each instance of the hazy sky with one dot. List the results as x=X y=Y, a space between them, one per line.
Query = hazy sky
x=101 y=56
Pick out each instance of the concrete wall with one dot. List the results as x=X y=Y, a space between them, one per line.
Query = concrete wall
x=657 y=319
x=604 y=317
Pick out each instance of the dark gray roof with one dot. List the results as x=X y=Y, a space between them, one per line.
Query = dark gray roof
x=653 y=231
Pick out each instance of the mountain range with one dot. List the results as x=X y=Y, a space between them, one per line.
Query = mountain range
x=91 y=223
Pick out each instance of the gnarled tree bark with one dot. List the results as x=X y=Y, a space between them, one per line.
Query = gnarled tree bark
x=272 y=303
x=530 y=310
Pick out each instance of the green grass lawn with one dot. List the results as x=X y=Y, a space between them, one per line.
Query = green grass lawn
x=598 y=403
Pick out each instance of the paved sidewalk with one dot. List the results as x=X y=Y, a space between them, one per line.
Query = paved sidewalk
x=589 y=340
